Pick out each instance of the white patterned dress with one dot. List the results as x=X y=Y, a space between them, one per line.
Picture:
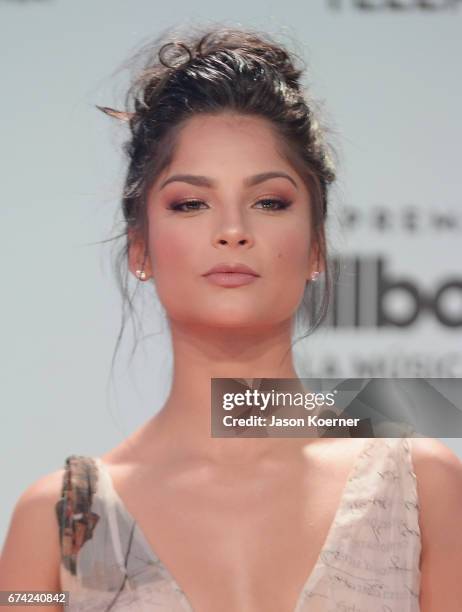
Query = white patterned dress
x=369 y=561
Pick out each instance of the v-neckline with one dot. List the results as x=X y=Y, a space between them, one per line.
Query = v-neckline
x=359 y=457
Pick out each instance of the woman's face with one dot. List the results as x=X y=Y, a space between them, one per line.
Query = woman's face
x=230 y=219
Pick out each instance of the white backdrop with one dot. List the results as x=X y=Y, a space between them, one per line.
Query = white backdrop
x=388 y=80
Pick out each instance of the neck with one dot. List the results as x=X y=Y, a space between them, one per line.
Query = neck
x=202 y=354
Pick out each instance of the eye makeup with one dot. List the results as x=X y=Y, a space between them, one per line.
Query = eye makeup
x=280 y=204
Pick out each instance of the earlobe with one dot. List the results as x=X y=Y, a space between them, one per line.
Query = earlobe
x=141 y=274
x=138 y=259
x=316 y=265
x=314 y=275
x=143 y=271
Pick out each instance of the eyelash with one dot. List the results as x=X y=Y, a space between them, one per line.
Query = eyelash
x=283 y=204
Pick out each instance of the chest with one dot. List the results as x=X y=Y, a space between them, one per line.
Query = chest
x=237 y=539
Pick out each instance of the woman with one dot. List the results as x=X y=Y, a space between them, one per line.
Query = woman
x=227 y=165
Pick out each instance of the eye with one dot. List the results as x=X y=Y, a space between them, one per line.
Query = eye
x=281 y=204
x=275 y=204
x=189 y=203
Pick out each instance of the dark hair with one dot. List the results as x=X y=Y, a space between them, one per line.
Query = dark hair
x=220 y=70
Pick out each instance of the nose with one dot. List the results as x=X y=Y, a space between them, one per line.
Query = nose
x=232 y=241
x=232 y=233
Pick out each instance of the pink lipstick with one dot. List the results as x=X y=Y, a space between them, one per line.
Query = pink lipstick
x=231 y=275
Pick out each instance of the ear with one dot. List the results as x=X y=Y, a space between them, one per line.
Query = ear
x=138 y=259
x=316 y=261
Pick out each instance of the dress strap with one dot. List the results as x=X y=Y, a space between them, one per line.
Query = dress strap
x=76 y=520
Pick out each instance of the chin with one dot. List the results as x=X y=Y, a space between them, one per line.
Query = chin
x=231 y=321
x=235 y=322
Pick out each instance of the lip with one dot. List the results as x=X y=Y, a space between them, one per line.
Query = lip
x=228 y=268
x=231 y=275
x=230 y=279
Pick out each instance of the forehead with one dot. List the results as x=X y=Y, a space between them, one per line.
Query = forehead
x=223 y=136
x=227 y=120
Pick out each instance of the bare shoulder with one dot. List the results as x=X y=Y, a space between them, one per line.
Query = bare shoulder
x=433 y=459
x=438 y=472
x=31 y=552
x=43 y=489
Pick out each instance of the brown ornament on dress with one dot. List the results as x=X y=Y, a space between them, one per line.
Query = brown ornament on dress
x=73 y=511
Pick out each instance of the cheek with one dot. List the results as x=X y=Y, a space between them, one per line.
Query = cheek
x=291 y=252
x=174 y=267
x=170 y=250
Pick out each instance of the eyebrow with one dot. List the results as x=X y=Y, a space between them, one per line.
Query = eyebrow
x=204 y=181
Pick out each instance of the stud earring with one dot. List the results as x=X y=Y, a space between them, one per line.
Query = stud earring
x=314 y=276
x=141 y=274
